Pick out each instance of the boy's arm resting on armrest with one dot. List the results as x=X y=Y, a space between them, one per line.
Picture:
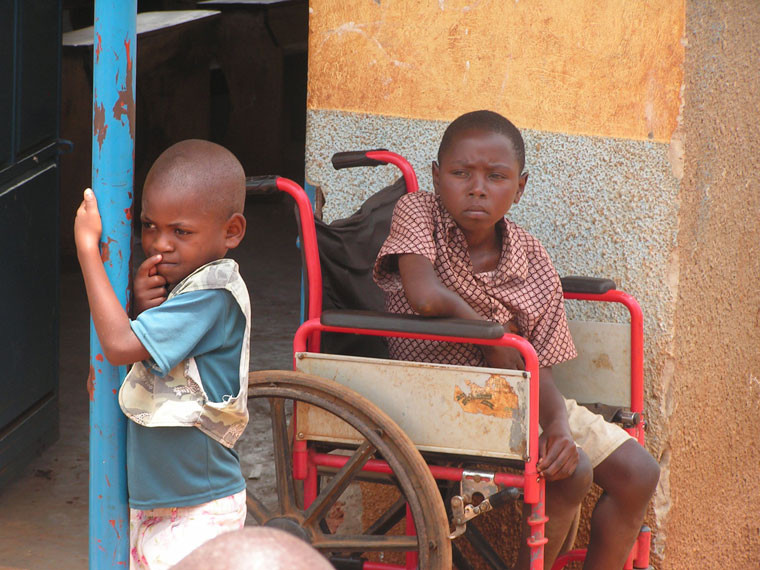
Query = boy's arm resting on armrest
x=558 y=454
x=425 y=292
x=119 y=343
x=431 y=298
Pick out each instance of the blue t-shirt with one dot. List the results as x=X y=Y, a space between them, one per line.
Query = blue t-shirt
x=180 y=466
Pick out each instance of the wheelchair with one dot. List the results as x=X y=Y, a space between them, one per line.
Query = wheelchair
x=414 y=436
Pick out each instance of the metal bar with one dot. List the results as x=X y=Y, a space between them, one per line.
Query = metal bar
x=389 y=518
x=114 y=54
x=282 y=457
x=440 y=472
x=536 y=523
x=364 y=543
x=256 y=508
x=309 y=249
x=643 y=545
x=460 y=562
x=484 y=548
x=563 y=560
x=313 y=326
x=311 y=253
x=412 y=556
x=410 y=177
x=338 y=484
x=637 y=348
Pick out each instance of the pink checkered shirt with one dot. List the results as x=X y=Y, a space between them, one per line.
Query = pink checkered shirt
x=524 y=286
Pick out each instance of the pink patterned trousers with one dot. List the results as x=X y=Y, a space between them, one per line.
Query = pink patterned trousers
x=159 y=538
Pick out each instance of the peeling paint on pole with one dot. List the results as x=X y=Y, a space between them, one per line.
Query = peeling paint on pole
x=112 y=181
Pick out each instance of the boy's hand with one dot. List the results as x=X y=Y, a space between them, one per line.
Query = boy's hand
x=558 y=454
x=506 y=357
x=87 y=225
x=149 y=287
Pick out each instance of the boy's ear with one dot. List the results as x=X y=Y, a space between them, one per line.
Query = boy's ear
x=523 y=180
x=234 y=231
x=436 y=174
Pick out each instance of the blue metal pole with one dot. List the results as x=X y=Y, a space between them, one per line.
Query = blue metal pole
x=113 y=98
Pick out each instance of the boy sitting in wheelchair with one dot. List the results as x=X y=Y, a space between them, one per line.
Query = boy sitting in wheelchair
x=454 y=254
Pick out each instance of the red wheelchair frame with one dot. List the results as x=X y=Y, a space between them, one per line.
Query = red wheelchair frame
x=307 y=338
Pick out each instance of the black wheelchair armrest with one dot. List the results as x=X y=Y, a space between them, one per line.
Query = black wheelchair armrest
x=587 y=285
x=354 y=158
x=261 y=185
x=372 y=320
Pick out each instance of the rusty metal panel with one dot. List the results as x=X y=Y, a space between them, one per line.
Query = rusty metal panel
x=602 y=371
x=451 y=409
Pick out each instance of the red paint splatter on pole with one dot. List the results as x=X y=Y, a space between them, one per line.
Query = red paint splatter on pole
x=105 y=250
x=91 y=384
x=125 y=104
x=98 y=48
x=99 y=124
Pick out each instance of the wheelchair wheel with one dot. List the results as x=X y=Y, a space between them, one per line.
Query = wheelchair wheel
x=382 y=439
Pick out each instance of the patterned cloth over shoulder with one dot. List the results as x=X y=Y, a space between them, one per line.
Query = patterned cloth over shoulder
x=178 y=399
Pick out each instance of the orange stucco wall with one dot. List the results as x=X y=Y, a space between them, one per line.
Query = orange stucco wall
x=714 y=451
x=604 y=69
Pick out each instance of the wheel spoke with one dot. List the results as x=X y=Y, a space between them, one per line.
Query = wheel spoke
x=257 y=508
x=364 y=543
x=389 y=518
x=338 y=484
x=283 y=457
x=382 y=439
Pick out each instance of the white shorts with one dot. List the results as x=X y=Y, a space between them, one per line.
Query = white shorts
x=597 y=437
x=159 y=538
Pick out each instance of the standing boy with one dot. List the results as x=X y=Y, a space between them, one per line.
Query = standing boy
x=186 y=394
x=454 y=254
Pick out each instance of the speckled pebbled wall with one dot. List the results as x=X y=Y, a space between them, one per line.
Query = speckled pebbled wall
x=590 y=200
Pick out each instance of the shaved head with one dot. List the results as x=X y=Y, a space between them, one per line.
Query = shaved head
x=486 y=121
x=207 y=172
x=254 y=548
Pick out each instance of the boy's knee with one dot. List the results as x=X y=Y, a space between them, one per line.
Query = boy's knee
x=647 y=473
x=632 y=475
x=573 y=489
x=643 y=472
x=584 y=474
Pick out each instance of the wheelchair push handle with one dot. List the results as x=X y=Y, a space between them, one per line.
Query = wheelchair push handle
x=266 y=184
x=587 y=285
x=355 y=158
x=377 y=157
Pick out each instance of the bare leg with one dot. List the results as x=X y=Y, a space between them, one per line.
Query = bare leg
x=629 y=478
x=563 y=499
